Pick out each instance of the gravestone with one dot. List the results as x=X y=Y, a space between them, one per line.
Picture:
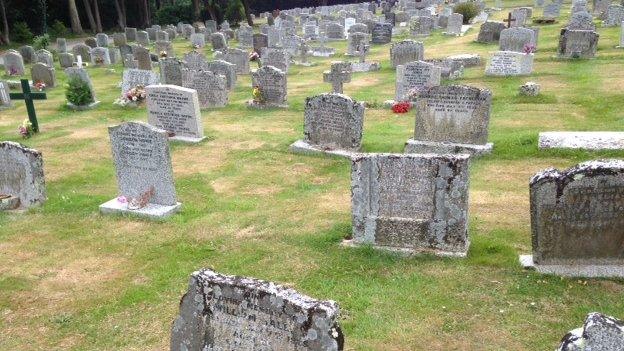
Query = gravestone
x=449 y=69
x=272 y=85
x=211 y=25
x=508 y=63
x=83 y=51
x=310 y=31
x=332 y=123
x=581 y=21
x=61 y=45
x=22 y=184
x=413 y=77
x=421 y=26
x=245 y=314
x=552 y=10
x=101 y=39
x=599 y=333
x=406 y=51
x=224 y=68
x=260 y=41
x=274 y=37
x=28 y=53
x=454 y=25
x=195 y=60
x=452 y=119
x=171 y=71
x=275 y=57
x=133 y=77
x=198 y=40
x=239 y=58
x=615 y=15
x=100 y=56
x=119 y=39
x=43 y=73
x=5 y=97
x=162 y=35
x=515 y=39
x=218 y=41
x=354 y=41
x=578 y=43
x=91 y=42
x=45 y=57
x=244 y=34
x=410 y=203
x=164 y=49
x=581 y=140
x=144 y=172
x=142 y=38
x=577 y=219
x=176 y=110
x=359 y=28
x=339 y=74
x=335 y=31
x=82 y=74
x=381 y=33
x=211 y=88
x=131 y=33
x=142 y=55
x=519 y=18
x=490 y=32
x=13 y=63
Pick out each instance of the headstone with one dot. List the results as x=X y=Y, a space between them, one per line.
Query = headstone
x=41 y=72
x=82 y=74
x=414 y=77
x=406 y=51
x=211 y=25
x=83 y=51
x=119 y=39
x=238 y=313
x=452 y=119
x=260 y=41
x=582 y=140
x=176 y=110
x=131 y=33
x=198 y=40
x=244 y=35
x=354 y=41
x=91 y=42
x=421 y=26
x=171 y=71
x=13 y=63
x=133 y=77
x=272 y=85
x=162 y=35
x=490 y=32
x=238 y=57
x=515 y=39
x=164 y=49
x=224 y=68
x=339 y=74
x=100 y=56
x=218 y=41
x=144 y=172
x=599 y=333
x=335 y=31
x=142 y=55
x=101 y=39
x=578 y=43
x=332 y=122
x=519 y=18
x=28 y=53
x=274 y=37
x=552 y=10
x=382 y=33
x=5 y=98
x=454 y=25
x=61 y=45
x=410 y=203
x=275 y=57
x=615 y=15
x=142 y=38
x=21 y=177
x=211 y=88
x=195 y=60
x=576 y=220
x=581 y=21
x=45 y=57
x=509 y=63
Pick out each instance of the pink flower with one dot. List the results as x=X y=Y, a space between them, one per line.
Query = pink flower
x=122 y=199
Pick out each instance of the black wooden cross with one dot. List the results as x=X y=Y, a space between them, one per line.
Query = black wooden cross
x=28 y=97
x=509 y=20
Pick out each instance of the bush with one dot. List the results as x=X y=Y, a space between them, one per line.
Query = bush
x=41 y=42
x=78 y=92
x=21 y=33
x=468 y=9
x=234 y=12
x=58 y=29
x=171 y=14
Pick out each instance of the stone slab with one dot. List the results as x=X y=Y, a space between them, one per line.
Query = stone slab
x=582 y=140
x=409 y=252
x=151 y=211
x=580 y=271
x=424 y=147
x=302 y=147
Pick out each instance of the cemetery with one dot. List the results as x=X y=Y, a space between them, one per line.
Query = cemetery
x=312 y=175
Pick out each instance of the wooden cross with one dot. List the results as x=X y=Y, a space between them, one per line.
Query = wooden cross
x=337 y=77
x=509 y=20
x=28 y=97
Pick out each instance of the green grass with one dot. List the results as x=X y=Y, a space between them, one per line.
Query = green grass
x=75 y=280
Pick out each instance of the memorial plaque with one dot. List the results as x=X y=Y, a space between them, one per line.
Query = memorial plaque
x=176 y=110
x=21 y=176
x=508 y=63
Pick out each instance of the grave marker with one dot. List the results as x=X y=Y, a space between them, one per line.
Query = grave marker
x=176 y=110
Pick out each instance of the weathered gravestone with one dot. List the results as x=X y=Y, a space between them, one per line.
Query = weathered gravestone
x=578 y=43
x=414 y=77
x=134 y=77
x=142 y=55
x=599 y=333
x=508 y=63
x=333 y=123
x=271 y=84
x=406 y=51
x=211 y=88
x=22 y=183
x=221 y=312
x=454 y=25
x=515 y=39
x=218 y=41
x=66 y=59
x=239 y=58
x=100 y=56
x=83 y=75
x=176 y=110
x=452 y=119
x=410 y=203
x=101 y=39
x=170 y=71
x=421 y=26
x=13 y=63
x=490 y=32
x=195 y=60
x=28 y=53
x=339 y=74
x=275 y=57
x=144 y=172
x=581 y=21
x=244 y=34
x=260 y=41
x=45 y=57
x=130 y=33
x=615 y=15
x=91 y=42
x=198 y=40
x=354 y=41
x=41 y=72
x=83 y=51
x=224 y=68
x=5 y=98
x=119 y=39
x=449 y=69
x=577 y=216
x=142 y=38
x=381 y=33
x=164 y=49
x=552 y=10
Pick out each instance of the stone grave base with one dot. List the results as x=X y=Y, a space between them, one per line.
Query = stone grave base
x=586 y=271
x=582 y=140
x=151 y=211
x=425 y=147
x=187 y=139
x=82 y=107
x=10 y=203
x=410 y=251
x=259 y=106
x=365 y=66
x=303 y=147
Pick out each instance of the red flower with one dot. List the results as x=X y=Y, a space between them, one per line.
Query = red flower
x=401 y=107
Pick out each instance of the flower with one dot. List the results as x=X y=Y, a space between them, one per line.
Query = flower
x=529 y=48
x=163 y=54
x=39 y=86
x=135 y=96
x=13 y=71
x=99 y=60
x=401 y=107
x=122 y=199
x=253 y=56
x=26 y=129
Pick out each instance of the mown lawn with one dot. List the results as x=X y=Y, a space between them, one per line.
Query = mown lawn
x=72 y=279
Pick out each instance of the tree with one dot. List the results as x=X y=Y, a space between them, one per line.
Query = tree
x=211 y=6
x=4 y=33
x=120 y=8
x=87 y=7
x=98 y=20
x=247 y=12
x=74 y=18
x=196 y=10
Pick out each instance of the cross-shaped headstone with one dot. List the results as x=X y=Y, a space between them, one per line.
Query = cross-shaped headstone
x=362 y=49
x=28 y=97
x=337 y=76
x=509 y=20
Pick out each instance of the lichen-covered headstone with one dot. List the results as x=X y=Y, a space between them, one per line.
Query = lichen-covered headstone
x=211 y=88
x=410 y=203
x=599 y=333
x=41 y=72
x=13 y=63
x=83 y=51
x=278 y=58
x=44 y=56
x=221 y=312
x=238 y=57
x=515 y=39
x=176 y=110
x=133 y=77
x=490 y=32
x=224 y=68
x=194 y=60
x=406 y=51
x=454 y=25
x=170 y=71
x=28 y=53
x=218 y=41
x=381 y=33
x=578 y=43
x=130 y=33
x=22 y=183
x=415 y=76
x=272 y=85
x=142 y=55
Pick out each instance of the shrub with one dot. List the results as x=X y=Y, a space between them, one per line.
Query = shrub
x=78 y=92
x=41 y=41
x=174 y=13
x=21 y=33
x=234 y=12
x=468 y=9
x=58 y=29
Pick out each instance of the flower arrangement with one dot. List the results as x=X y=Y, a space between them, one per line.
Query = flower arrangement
x=39 y=86
x=163 y=54
x=401 y=107
x=413 y=94
x=99 y=61
x=13 y=71
x=529 y=49
x=26 y=129
x=253 y=56
x=257 y=95
x=133 y=97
